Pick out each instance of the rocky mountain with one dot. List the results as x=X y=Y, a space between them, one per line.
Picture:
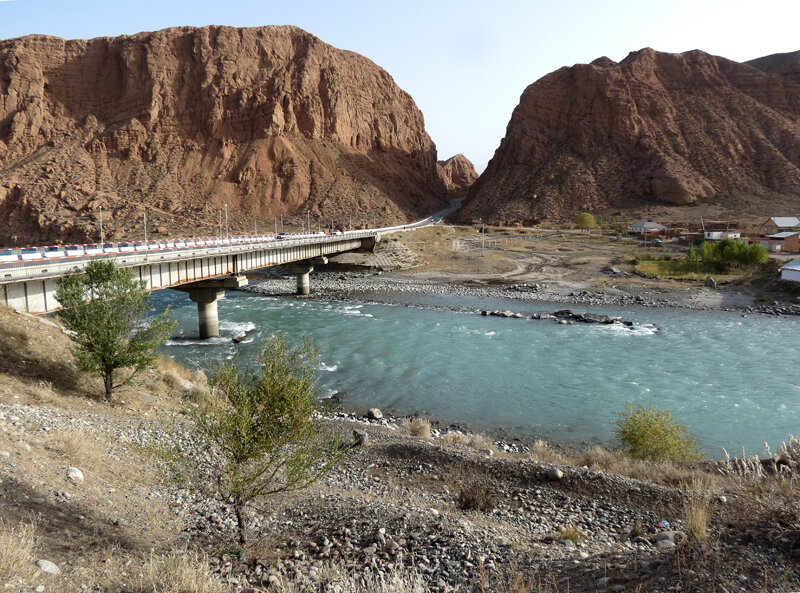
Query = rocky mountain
x=179 y=122
x=654 y=129
x=458 y=174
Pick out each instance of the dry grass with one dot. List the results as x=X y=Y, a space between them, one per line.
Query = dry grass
x=542 y=452
x=697 y=509
x=571 y=533
x=16 y=551
x=178 y=573
x=177 y=377
x=76 y=448
x=465 y=439
x=417 y=427
x=665 y=473
x=402 y=580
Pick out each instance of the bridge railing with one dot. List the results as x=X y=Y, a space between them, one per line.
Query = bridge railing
x=15 y=271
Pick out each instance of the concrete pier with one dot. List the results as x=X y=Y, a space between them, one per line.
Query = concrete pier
x=206 y=294
x=303 y=269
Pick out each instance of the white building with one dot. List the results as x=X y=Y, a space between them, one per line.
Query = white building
x=646 y=226
x=720 y=235
x=791 y=271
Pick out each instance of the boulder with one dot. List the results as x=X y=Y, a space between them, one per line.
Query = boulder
x=374 y=414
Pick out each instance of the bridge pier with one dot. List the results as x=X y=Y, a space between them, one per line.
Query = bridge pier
x=206 y=294
x=303 y=270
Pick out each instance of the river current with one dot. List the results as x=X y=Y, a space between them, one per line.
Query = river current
x=733 y=380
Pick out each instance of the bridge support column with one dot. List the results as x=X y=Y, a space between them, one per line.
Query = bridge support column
x=303 y=270
x=206 y=293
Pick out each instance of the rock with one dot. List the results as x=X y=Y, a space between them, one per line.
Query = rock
x=360 y=438
x=672 y=536
x=554 y=474
x=665 y=545
x=711 y=283
x=572 y=121
x=48 y=567
x=595 y=318
x=5 y=454
x=458 y=174
x=304 y=111
x=239 y=339
x=74 y=474
x=487 y=452
x=374 y=414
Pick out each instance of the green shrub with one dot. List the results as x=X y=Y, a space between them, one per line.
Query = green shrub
x=651 y=434
x=585 y=220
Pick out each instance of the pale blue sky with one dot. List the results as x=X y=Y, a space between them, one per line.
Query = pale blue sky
x=465 y=63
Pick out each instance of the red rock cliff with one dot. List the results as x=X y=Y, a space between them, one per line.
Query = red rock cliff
x=458 y=174
x=179 y=122
x=656 y=128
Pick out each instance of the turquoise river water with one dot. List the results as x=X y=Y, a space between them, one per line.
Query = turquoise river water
x=734 y=380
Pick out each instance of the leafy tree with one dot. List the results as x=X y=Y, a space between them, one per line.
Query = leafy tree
x=257 y=434
x=691 y=256
x=585 y=220
x=105 y=308
x=651 y=434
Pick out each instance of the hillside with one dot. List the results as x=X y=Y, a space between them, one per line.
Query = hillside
x=655 y=129
x=177 y=123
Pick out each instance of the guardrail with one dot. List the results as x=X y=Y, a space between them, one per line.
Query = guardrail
x=15 y=271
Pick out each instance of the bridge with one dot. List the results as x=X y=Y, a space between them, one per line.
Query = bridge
x=204 y=272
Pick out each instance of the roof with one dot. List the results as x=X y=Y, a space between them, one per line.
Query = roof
x=785 y=221
x=648 y=224
x=783 y=235
x=792 y=265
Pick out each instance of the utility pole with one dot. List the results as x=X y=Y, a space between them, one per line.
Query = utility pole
x=255 y=228
x=350 y=228
x=281 y=221
x=308 y=220
x=220 y=224
x=101 y=227
x=144 y=218
x=227 y=235
x=319 y=224
x=276 y=225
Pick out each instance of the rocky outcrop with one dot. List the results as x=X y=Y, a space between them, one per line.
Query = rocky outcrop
x=458 y=174
x=786 y=65
x=179 y=122
x=654 y=129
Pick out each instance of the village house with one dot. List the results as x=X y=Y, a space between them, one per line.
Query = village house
x=646 y=226
x=786 y=241
x=720 y=235
x=778 y=224
x=791 y=271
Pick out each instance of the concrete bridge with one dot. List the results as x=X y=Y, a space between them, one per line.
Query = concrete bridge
x=203 y=272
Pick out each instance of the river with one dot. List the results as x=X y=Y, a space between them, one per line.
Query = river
x=734 y=380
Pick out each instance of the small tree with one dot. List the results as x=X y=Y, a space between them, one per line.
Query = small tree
x=651 y=434
x=105 y=308
x=257 y=434
x=585 y=220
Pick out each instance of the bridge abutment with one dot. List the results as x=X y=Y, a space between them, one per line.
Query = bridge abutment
x=207 y=293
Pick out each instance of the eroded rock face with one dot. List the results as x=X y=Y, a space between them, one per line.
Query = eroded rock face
x=656 y=128
x=458 y=174
x=177 y=123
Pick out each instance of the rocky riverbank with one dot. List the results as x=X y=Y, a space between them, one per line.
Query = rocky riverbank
x=456 y=517
x=385 y=288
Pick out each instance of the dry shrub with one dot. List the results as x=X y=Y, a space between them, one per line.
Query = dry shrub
x=571 y=533
x=16 y=551
x=666 y=473
x=467 y=439
x=697 y=513
x=178 y=573
x=474 y=491
x=541 y=451
x=417 y=427
x=73 y=446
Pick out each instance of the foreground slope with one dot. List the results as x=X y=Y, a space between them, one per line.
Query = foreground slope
x=653 y=129
x=179 y=122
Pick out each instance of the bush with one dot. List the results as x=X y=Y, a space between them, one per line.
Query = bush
x=585 y=220
x=258 y=435
x=651 y=434
x=417 y=427
x=476 y=493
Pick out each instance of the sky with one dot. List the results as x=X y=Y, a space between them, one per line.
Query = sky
x=465 y=63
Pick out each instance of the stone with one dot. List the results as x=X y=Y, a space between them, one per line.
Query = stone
x=711 y=283
x=374 y=414
x=665 y=545
x=74 y=474
x=360 y=438
x=47 y=566
x=5 y=454
x=554 y=474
